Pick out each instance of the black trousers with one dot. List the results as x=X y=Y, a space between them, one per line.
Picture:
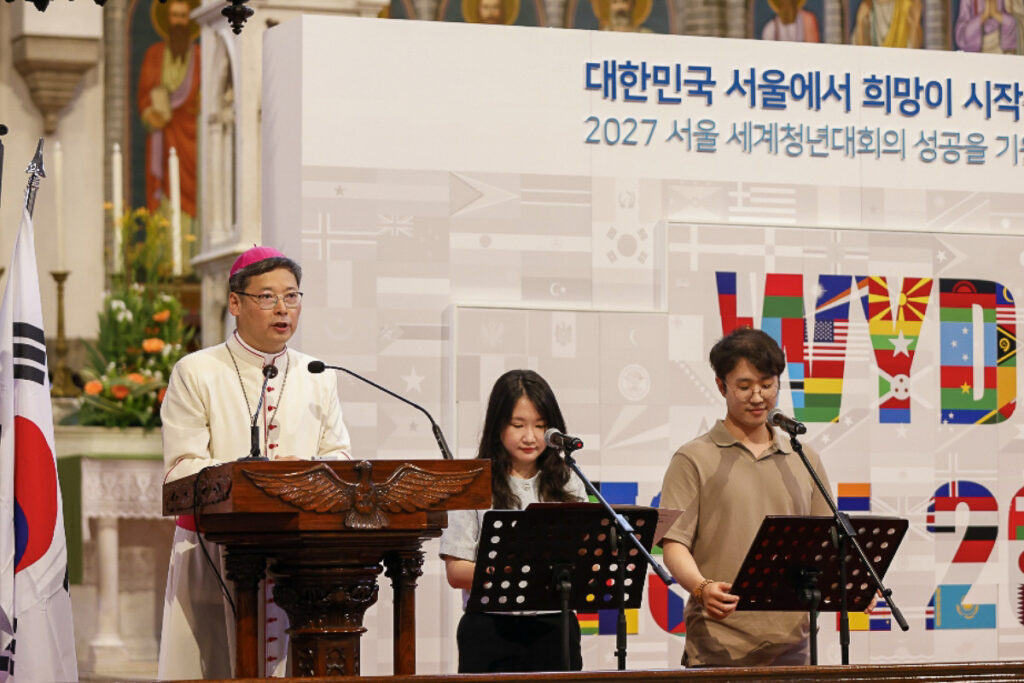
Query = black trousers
x=496 y=643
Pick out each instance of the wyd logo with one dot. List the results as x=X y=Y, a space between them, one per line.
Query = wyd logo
x=978 y=338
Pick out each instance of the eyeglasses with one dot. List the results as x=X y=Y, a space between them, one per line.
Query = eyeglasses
x=268 y=301
x=767 y=391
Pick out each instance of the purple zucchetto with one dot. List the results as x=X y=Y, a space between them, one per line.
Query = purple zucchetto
x=254 y=255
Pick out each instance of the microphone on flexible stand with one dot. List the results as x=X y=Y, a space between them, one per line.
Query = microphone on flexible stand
x=777 y=418
x=564 y=442
x=318 y=366
x=269 y=372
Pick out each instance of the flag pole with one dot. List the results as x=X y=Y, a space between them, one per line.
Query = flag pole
x=35 y=171
x=3 y=132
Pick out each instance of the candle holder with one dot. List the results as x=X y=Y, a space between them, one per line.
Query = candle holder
x=63 y=387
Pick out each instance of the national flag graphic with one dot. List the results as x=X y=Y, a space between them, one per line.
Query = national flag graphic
x=604 y=622
x=895 y=326
x=1015 y=550
x=947 y=610
x=980 y=536
x=858 y=621
x=617 y=492
x=854 y=497
x=977 y=315
x=36 y=632
x=727 y=307
x=830 y=340
x=666 y=607
x=815 y=349
x=881 y=617
x=589 y=623
x=608 y=621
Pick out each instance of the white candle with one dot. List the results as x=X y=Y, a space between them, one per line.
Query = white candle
x=117 y=210
x=174 y=178
x=58 y=187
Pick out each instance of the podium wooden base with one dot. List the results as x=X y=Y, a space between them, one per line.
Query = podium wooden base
x=324 y=532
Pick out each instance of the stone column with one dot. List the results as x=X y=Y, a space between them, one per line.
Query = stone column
x=115 y=79
x=735 y=17
x=106 y=647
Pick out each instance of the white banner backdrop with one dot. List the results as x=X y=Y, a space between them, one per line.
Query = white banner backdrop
x=467 y=199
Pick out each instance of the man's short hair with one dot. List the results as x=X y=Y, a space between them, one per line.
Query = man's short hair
x=240 y=280
x=757 y=347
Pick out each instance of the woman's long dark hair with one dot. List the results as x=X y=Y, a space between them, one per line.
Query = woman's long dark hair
x=554 y=473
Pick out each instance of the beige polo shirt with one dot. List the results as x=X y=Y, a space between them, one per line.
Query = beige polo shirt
x=725 y=492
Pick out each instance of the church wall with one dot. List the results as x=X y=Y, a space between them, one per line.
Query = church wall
x=79 y=130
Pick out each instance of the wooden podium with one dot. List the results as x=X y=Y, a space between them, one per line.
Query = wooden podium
x=322 y=531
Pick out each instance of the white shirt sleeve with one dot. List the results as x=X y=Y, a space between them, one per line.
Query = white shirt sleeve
x=186 y=429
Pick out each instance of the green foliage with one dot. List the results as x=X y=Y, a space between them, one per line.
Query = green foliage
x=141 y=332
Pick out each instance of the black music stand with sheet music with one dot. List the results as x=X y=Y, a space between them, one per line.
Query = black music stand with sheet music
x=798 y=564
x=560 y=557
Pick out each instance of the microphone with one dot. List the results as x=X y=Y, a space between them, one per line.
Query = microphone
x=556 y=439
x=777 y=418
x=318 y=366
x=269 y=372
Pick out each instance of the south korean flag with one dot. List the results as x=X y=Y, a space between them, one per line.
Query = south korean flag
x=36 y=633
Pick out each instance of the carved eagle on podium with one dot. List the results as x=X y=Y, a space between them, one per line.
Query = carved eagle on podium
x=319 y=489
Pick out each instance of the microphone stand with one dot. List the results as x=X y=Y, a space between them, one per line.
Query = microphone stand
x=843 y=531
x=254 y=431
x=621 y=532
x=438 y=436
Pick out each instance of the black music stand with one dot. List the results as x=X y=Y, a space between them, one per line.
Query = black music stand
x=559 y=557
x=798 y=564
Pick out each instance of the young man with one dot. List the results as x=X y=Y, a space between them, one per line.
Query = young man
x=212 y=397
x=726 y=481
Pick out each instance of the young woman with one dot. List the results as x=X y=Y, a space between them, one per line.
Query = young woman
x=523 y=471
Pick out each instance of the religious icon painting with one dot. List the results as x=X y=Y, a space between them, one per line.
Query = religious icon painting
x=163 y=94
x=510 y=12
x=991 y=26
x=633 y=16
x=399 y=9
x=886 y=23
x=798 y=21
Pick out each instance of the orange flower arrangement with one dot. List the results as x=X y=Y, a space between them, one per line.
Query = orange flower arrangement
x=93 y=387
x=136 y=378
x=120 y=391
x=153 y=345
x=162 y=316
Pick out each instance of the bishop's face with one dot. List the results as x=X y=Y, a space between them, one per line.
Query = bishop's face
x=266 y=330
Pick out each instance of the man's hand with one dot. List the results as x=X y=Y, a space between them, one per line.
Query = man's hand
x=874 y=602
x=718 y=602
